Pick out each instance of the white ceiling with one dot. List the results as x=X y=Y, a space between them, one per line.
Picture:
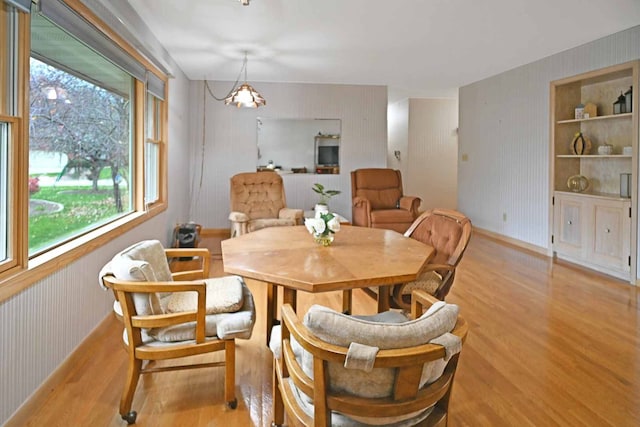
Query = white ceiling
x=426 y=48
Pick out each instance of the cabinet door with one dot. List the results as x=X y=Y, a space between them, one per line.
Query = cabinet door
x=568 y=221
x=611 y=235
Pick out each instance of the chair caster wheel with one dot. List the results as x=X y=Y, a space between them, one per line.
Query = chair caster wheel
x=130 y=417
x=233 y=404
x=273 y=424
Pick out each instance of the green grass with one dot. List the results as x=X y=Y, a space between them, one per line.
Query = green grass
x=83 y=210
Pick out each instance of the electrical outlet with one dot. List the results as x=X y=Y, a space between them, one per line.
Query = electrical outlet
x=504 y=216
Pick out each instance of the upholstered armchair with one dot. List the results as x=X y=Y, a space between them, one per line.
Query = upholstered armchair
x=448 y=232
x=332 y=369
x=174 y=315
x=378 y=200
x=258 y=201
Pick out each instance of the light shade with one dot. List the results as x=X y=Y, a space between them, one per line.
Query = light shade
x=245 y=96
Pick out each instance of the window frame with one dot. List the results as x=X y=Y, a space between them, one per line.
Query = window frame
x=19 y=271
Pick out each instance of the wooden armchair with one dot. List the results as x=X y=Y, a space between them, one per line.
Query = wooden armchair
x=258 y=201
x=336 y=370
x=378 y=200
x=448 y=232
x=173 y=315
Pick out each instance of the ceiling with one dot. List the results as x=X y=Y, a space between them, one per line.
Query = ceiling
x=418 y=48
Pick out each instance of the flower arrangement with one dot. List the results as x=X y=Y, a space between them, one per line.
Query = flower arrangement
x=322 y=227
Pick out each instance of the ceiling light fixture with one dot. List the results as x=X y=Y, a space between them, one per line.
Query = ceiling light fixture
x=244 y=95
x=244 y=2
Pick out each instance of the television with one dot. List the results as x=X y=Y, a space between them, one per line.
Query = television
x=328 y=155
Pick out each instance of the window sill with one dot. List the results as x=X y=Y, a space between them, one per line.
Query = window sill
x=17 y=279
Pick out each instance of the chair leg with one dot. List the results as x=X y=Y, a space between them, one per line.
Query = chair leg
x=133 y=374
x=230 y=374
x=278 y=404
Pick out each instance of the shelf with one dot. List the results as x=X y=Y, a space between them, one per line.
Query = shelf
x=594 y=156
x=591 y=119
x=597 y=195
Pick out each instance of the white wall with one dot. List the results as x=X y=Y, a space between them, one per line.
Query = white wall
x=230 y=141
x=424 y=131
x=504 y=131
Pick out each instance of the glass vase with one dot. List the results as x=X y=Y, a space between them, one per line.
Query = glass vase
x=323 y=239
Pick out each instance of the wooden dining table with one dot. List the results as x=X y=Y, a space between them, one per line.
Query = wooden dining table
x=358 y=257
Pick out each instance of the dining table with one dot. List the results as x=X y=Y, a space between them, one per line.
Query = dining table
x=359 y=257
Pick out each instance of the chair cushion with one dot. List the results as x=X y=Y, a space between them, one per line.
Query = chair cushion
x=223 y=325
x=386 y=216
x=340 y=420
x=340 y=329
x=143 y=262
x=224 y=295
x=259 y=224
x=428 y=281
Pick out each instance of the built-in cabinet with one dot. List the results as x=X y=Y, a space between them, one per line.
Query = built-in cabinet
x=596 y=226
x=594 y=230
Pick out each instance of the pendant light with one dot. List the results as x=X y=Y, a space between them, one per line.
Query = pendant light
x=245 y=95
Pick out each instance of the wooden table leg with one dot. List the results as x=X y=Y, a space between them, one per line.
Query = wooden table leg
x=289 y=297
x=347 y=298
x=384 y=294
x=272 y=302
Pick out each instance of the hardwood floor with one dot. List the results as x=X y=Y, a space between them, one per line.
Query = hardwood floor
x=549 y=345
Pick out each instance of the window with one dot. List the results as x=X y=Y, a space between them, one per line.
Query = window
x=79 y=151
x=82 y=138
x=4 y=188
x=9 y=123
x=152 y=149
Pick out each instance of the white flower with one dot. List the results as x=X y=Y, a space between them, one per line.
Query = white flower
x=334 y=224
x=315 y=225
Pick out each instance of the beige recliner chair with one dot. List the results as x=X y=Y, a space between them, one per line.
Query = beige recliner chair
x=258 y=201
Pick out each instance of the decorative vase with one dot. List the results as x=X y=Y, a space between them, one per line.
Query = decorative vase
x=323 y=239
x=322 y=208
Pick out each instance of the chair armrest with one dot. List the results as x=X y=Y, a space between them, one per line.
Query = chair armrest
x=420 y=302
x=194 y=274
x=123 y=287
x=410 y=203
x=184 y=252
x=294 y=214
x=360 y=211
x=239 y=217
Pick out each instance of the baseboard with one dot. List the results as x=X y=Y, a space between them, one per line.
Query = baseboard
x=511 y=241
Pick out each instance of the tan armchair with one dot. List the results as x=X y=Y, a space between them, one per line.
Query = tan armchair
x=332 y=369
x=448 y=232
x=378 y=200
x=258 y=201
x=175 y=315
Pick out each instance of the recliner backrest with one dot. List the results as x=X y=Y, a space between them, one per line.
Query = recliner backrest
x=382 y=187
x=257 y=194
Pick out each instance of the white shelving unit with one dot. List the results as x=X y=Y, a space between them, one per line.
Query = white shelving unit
x=596 y=228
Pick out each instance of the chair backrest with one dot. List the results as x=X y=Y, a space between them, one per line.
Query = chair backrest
x=257 y=194
x=447 y=231
x=402 y=378
x=144 y=261
x=382 y=187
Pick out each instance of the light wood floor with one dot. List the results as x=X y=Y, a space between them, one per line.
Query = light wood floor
x=549 y=345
